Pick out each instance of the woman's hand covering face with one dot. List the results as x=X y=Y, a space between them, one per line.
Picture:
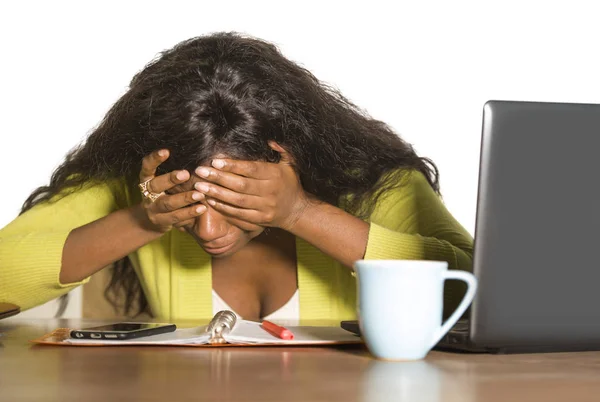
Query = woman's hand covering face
x=260 y=193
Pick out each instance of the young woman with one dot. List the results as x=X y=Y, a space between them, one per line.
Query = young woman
x=229 y=177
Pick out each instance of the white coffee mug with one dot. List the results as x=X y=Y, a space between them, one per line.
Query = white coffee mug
x=400 y=304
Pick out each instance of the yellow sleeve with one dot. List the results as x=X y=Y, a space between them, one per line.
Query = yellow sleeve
x=412 y=223
x=31 y=245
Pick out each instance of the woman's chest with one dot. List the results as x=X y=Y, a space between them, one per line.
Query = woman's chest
x=260 y=278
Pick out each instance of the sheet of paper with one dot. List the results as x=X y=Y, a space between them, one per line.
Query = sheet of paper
x=252 y=332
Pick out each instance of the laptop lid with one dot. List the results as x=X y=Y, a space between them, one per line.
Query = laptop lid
x=537 y=235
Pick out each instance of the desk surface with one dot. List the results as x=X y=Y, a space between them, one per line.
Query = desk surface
x=58 y=373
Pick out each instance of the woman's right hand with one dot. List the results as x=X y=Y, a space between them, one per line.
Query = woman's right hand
x=167 y=211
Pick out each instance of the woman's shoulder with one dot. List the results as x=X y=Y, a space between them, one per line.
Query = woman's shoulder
x=113 y=190
x=403 y=185
x=394 y=188
x=72 y=207
x=405 y=194
x=413 y=206
x=80 y=199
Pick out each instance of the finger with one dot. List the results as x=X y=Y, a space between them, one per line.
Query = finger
x=231 y=197
x=185 y=224
x=232 y=181
x=247 y=215
x=285 y=156
x=251 y=169
x=170 y=203
x=180 y=215
x=151 y=162
x=177 y=189
x=168 y=181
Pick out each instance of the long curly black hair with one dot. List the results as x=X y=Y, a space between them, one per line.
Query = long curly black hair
x=230 y=93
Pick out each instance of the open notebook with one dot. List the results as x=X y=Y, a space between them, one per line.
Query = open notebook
x=221 y=331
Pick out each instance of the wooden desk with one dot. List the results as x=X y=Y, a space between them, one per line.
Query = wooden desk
x=106 y=374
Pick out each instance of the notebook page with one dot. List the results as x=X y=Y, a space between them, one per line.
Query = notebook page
x=252 y=332
x=196 y=335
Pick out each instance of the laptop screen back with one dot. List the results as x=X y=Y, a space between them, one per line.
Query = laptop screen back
x=537 y=237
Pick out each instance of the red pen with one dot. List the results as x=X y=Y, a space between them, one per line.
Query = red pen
x=277 y=331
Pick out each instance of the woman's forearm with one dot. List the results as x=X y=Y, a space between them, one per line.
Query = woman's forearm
x=92 y=247
x=335 y=232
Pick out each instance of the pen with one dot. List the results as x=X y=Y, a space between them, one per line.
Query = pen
x=277 y=331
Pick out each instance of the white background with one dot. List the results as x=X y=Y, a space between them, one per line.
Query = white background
x=424 y=67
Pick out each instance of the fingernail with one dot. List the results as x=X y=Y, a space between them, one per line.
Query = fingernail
x=162 y=152
x=181 y=175
x=200 y=209
x=203 y=172
x=202 y=187
x=218 y=163
x=211 y=202
x=197 y=196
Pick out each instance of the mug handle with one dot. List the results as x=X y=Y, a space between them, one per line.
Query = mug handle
x=471 y=281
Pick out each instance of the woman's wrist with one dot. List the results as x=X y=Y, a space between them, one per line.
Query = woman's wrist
x=335 y=232
x=140 y=218
x=300 y=209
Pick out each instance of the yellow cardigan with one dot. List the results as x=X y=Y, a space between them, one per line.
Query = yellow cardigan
x=410 y=222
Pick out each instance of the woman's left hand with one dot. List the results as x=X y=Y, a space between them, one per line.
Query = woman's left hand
x=262 y=193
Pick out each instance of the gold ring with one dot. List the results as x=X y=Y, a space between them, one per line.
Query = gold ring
x=147 y=193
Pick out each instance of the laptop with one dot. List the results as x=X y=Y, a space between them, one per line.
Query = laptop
x=537 y=232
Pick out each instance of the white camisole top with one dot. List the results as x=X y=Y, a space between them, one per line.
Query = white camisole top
x=289 y=311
